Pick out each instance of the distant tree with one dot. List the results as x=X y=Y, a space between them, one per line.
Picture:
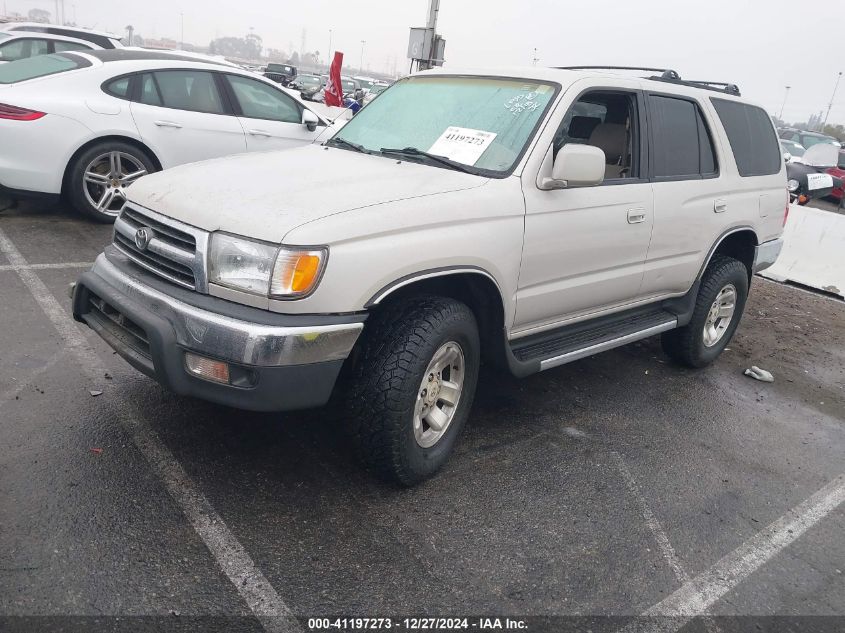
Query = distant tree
x=310 y=60
x=39 y=15
x=294 y=59
x=248 y=47
x=276 y=55
x=836 y=131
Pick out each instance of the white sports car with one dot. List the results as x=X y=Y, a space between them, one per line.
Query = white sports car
x=88 y=124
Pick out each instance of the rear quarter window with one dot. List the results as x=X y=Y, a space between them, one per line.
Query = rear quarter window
x=41 y=66
x=752 y=137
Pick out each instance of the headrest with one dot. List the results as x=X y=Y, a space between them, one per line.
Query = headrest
x=611 y=139
x=582 y=126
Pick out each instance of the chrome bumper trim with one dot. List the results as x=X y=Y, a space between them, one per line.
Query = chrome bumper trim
x=766 y=254
x=232 y=339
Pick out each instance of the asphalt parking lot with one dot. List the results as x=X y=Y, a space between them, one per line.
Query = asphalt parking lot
x=615 y=486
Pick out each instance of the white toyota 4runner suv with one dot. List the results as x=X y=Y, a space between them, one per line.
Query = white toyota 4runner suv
x=522 y=218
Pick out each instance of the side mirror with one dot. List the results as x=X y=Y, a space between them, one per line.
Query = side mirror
x=310 y=120
x=576 y=165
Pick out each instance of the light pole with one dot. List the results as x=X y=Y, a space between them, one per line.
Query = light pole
x=786 y=94
x=361 y=64
x=838 y=77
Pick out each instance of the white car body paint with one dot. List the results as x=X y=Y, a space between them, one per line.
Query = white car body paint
x=35 y=154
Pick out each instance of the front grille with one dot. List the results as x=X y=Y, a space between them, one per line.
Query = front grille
x=118 y=325
x=174 y=251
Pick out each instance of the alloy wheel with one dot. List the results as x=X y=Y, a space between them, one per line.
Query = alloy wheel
x=106 y=178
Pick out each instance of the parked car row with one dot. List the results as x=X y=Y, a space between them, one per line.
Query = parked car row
x=815 y=170
x=20 y=40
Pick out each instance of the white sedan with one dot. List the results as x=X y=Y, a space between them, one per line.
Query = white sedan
x=87 y=125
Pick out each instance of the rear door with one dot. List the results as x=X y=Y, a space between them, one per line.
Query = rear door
x=693 y=197
x=184 y=117
x=270 y=118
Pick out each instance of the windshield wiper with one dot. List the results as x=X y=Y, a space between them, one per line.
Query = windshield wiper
x=342 y=142
x=413 y=151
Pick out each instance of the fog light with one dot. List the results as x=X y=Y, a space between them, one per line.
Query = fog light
x=207 y=368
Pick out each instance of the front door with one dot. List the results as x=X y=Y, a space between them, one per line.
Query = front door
x=270 y=118
x=585 y=247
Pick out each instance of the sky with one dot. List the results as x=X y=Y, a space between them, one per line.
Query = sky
x=755 y=44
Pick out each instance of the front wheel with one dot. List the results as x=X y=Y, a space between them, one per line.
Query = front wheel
x=99 y=176
x=412 y=387
x=718 y=309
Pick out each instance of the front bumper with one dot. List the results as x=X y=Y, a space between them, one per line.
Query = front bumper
x=277 y=362
x=766 y=254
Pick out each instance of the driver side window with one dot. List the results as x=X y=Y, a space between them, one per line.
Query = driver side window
x=606 y=120
x=261 y=101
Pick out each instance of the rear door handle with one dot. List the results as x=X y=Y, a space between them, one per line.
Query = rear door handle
x=259 y=133
x=720 y=205
x=167 y=124
x=635 y=216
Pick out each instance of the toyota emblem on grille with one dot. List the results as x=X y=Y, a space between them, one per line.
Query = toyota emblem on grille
x=143 y=237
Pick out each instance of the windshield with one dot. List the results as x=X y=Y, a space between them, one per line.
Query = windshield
x=809 y=141
x=308 y=80
x=377 y=89
x=348 y=85
x=482 y=122
x=40 y=66
x=793 y=148
x=366 y=84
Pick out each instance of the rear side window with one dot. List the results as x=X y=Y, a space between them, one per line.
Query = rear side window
x=149 y=91
x=752 y=137
x=23 y=48
x=118 y=88
x=41 y=66
x=682 y=145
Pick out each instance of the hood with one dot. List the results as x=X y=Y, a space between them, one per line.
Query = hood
x=821 y=155
x=267 y=194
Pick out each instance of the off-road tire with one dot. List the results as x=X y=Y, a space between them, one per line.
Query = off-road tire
x=685 y=345
x=397 y=345
x=74 y=184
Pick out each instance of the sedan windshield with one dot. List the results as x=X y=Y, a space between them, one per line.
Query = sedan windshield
x=481 y=122
x=309 y=81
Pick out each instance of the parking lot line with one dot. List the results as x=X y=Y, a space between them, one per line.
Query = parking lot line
x=230 y=555
x=697 y=595
x=60 y=265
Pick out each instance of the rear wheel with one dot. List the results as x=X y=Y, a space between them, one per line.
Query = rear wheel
x=718 y=309
x=98 y=178
x=412 y=387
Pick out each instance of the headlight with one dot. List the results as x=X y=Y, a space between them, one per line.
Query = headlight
x=792 y=184
x=264 y=269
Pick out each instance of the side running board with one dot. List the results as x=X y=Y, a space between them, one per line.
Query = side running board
x=580 y=340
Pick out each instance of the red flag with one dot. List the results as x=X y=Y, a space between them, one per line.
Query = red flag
x=334 y=89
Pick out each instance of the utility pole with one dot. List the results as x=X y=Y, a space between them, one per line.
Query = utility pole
x=361 y=64
x=431 y=24
x=786 y=94
x=838 y=77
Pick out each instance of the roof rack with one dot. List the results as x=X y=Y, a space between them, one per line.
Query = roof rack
x=668 y=75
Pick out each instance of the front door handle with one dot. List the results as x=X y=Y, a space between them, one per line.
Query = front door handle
x=720 y=205
x=259 y=133
x=635 y=216
x=167 y=124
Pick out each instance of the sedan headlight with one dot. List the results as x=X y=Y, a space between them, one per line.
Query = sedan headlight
x=264 y=269
x=792 y=185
